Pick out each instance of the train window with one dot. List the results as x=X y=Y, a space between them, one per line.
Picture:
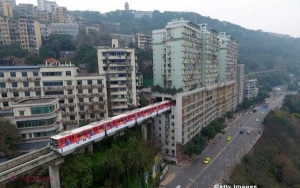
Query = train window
x=53 y=142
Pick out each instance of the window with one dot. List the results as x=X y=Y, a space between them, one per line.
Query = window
x=37 y=84
x=100 y=98
x=68 y=73
x=25 y=84
x=81 y=108
x=79 y=82
x=42 y=110
x=2 y=85
x=23 y=135
x=51 y=73
x=101 y=114
x=4 y=95
x=53 y=83
x=69 y=82
x=90 y=82
x=13 y=74
x=72 y=117
x=27 y=93
x=70 y=91
x=14 y=84
x=81 y=100
x=38 y=93
x=99 y=90
x=90 y=90
x=21 y=113
x=70 y=100
x=99 y=81
x=71 y=109
x=5 y=104
x=2 y=74
x=82 y=116
x=91 y=99
x=35 y=73
x=16 y=94
x=80 y=91
x=92 y=115
x=24 y=74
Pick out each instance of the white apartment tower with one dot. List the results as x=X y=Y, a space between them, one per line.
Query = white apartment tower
x=186 y=55
x=227 y=57
x=240 y=68
x=177 y=55
x=120 y=68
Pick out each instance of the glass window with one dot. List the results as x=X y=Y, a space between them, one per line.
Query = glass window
x=5 y=104
x=2 y=74
x=82 y=116
x=81 y=108
x=92 y=115
x=90 y=82
x=71 y=101
x=13 y=74
x=42 y=110
x=81 y=100
x=72 y=117
x=24 y=74
x=53 y=83
x=21 y=113
x=99 y=90
x=38 y=93
x=51 y=73
x=69 y=82
x=79 y=82
x=25 y=84
x=35 y=73
x=68 y=73
x=90 y=90
x=37 y=84
x=2 y=85
x=70 y=91
x=71 y=109
x=16 y=94
x=91 y=99
x=80 y=90
x=99 y=81
x=27 y=93
x=14 y=84
x=4 y=95
x=100 y=98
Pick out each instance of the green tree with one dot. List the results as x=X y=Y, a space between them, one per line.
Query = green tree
x=229 y=115
x=191 y=149
x=86 y=53
x=9 y=138
x=34 y=60
x=143 y=100
x=76 y=171
x=12 y=50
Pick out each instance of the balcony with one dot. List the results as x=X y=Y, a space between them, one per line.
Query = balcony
x=3 y=89
x=4 y=79
x=71 y=113
x=99 y=103
x=98 y=85
x=62 y=105
x=98 y=94
x=69 y=87
x=71 y=105
x=69 y=96
x=49 y=88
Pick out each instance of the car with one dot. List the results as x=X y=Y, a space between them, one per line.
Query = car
x=241 y=131
x=178 y=186
x=228 y=138
x=206 y=160
x=256 y=120
x=248 y=131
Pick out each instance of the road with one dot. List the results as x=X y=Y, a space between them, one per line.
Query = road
x=222 y=152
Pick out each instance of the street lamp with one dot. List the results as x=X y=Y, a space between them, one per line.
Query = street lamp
x=194 y=182
x=208 y=181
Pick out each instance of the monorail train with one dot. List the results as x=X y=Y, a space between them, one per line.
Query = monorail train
x=68 y=141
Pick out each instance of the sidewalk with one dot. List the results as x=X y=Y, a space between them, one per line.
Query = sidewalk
x=169 y=177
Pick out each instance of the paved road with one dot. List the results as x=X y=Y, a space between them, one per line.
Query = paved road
x=222 y=152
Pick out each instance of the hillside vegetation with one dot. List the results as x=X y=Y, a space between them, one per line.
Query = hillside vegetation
x=275 y=161
x=257 y=49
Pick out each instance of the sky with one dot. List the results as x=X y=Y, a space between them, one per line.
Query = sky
x=277 y=16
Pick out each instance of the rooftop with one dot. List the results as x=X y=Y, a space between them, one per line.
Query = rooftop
x=36 y=101
x=18 y=67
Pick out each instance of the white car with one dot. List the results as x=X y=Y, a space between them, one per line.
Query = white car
x=248 y=131
x=256 y=120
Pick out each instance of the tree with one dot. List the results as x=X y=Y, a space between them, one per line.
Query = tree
x=86 y=53
x=143 y=100
x=76 y=171
x=13 y=50
x=34 y=60
x=229 y=115
x=9 y=138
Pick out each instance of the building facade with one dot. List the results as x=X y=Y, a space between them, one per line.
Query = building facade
x=143 y=41
x=26 y=10
x=65 y=29
x=37 y=119
x=240 y=71
x=6 y=9
x=126 y=38
x=250 y=89
x=120 y=68
x=49 y=6
x=60 y=15
x=82 y=97
x=186 y=56
x=25 y=32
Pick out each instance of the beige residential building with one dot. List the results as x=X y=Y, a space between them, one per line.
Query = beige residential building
x=6 y=9
x=37 y=119
x=81 y=97
x=60 y=15
x=26 y=10
x=143 y=41
x=120 y=68
x=45 y=16
x=25 y=32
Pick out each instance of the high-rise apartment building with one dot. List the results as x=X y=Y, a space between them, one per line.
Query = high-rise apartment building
x=240 y=68
x=45 y=16
x=61 y=15
x=6 y=9
x=227 y=57
x=177 y=55
x=143 y=41
x=81 y=96
x=65 y=29
x=250 y=89
x=12 y=3
x=26 y=10
x=120 y=68
x=25 y=32
x=210 y=62
x=49 y=6
x=186 y=55
x=126 y=6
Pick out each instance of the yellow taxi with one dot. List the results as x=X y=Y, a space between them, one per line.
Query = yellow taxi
x=228 y=138
x=206 y=160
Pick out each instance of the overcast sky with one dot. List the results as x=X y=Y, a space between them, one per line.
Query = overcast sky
x=278 y=16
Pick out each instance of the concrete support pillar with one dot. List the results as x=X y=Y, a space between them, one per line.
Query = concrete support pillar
x=54 y=176
x=90 y=148
x=81 y=150
x=144 y=131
